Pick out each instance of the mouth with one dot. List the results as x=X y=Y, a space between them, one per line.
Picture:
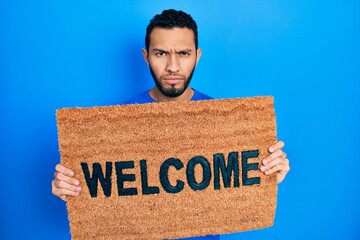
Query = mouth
x=172 y=80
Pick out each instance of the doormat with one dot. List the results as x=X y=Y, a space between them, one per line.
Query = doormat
x=169 y=170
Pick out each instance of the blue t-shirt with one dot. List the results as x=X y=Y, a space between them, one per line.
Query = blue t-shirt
x=145 y=98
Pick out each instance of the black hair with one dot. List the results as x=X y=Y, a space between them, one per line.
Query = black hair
x=170 y=19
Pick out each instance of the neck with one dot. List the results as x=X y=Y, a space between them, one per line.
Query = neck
x=158 y=96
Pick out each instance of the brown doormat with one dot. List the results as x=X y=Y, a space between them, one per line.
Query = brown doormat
x=169 y=170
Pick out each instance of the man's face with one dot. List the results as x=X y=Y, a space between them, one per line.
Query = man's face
x=172 y=58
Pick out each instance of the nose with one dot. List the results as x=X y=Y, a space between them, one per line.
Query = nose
x=173 y=65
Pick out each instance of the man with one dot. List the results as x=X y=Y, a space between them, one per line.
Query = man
x=171 y=54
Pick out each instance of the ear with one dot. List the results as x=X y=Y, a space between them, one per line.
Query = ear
x=198 y=54
x=145 y=55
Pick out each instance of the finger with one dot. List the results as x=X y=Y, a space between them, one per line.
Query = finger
x=61 y=177
x=280 y=168
x=273 y=163
x=271 y=157
x=63 y=192
x=64 y=170
x=276 y=146
x=64 y=185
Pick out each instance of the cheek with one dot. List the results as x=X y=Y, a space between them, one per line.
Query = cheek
x=188 y=66
x=158 y=67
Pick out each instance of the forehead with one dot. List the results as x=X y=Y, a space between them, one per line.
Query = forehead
x=169 y=38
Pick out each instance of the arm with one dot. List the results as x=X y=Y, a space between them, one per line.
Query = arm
x=276 y=162
x=64 y=183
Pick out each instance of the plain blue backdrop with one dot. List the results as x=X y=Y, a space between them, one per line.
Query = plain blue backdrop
x=69 y=53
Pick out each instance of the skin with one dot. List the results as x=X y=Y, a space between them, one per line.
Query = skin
x=172 y=56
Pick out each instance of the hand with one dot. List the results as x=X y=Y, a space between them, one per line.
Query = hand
x=64 y=183
x=276 y=162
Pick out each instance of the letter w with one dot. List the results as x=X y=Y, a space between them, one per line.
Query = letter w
x=97 y=174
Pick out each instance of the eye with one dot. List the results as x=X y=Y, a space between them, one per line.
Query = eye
x=184 y=53
x=160 y=54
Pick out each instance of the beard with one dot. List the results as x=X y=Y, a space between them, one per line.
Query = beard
x=172 y=91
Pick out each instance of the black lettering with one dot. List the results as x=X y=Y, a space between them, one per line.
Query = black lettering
x=226 y=171
x=97 y=175
x=248 y=167
x=164 y=175
x=146 y=190
x=190 y=174
x=121 y=178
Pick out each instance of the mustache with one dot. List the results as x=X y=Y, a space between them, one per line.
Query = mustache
x=173 y=75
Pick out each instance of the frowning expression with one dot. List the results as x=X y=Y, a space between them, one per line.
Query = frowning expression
x=172 y=57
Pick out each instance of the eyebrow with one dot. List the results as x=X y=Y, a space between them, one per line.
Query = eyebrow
x=161 y=50
x=158 y=50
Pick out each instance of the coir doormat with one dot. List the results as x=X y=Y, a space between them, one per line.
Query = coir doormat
x=169 y=170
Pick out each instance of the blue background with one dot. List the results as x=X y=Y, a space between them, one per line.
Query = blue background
x=69 y=53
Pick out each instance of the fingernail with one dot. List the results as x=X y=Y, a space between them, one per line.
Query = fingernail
x=78 y=189
x=262 y=168
x=77 y=183
x=265 y=161
x=271 y=149
x=267 y=172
